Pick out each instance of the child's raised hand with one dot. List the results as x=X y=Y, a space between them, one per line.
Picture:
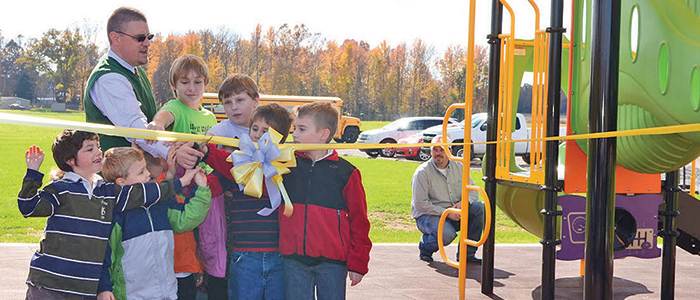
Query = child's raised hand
x=200 y=178
x=186 y=179
x=34 y=157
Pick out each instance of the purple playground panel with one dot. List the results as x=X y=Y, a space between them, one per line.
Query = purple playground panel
x=644 y=208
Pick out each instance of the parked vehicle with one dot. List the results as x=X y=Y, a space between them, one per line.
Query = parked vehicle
x=395 y=131
x=348 y=127
x=478 y=127
x=417 y=153
x=16 y=106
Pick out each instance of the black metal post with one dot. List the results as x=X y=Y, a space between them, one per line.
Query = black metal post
x=600 y=198
x=669 y=233
x=549 y=240
x=489 y=164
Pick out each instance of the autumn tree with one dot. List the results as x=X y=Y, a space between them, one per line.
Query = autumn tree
x=90 y=53
x=287 y=45
x=218 y=50
x=163 y=54
x=312 y=64
x=452 y=69
x=381 y=82
x=398 y=76
x=352 y=75
x=10 y=66
x=419 y=101
x=379 y=90
x=58 y=54
x=481 y=78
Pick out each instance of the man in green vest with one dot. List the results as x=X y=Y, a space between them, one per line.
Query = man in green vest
x=118 y=90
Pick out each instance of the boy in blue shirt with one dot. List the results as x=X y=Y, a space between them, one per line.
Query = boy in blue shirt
x=140 y=259
x=79 y=207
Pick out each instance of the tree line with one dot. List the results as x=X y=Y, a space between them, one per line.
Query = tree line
x=381 y=82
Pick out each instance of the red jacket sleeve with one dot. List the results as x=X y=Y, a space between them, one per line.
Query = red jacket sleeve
x=214 y=185
x=360 y=244
x=216 y=158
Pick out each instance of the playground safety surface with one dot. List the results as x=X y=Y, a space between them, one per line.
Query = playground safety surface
x=397 y=273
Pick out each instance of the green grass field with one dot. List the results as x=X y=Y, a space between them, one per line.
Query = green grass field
x=15 y=141
x=369 y=125
x=388 y=192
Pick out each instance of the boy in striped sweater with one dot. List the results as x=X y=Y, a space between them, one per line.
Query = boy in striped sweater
x=256 y=268
x=79 y=207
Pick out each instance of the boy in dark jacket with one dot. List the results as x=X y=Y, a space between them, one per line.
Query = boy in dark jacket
x=327 y=237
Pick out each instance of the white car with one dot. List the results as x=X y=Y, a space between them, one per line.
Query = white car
x=478 y=135
x=395 y=131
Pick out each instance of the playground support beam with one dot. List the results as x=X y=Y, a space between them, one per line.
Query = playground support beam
x=549 y=240
x=669 y=233
x=492 y=135
x=600 y=196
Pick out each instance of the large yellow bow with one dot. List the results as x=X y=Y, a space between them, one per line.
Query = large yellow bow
x=265 y=163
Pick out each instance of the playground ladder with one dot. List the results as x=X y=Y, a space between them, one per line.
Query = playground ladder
x=504 y=148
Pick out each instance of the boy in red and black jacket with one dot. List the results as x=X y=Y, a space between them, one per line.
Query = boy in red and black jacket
x=327 y=237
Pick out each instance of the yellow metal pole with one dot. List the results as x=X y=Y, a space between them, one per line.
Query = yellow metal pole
x=692 y=179
x=464 y=240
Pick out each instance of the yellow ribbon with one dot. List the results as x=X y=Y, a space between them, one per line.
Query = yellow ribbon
x=265 y=162
x=14 y=119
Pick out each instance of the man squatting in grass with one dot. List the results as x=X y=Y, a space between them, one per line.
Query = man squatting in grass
x=437 y=186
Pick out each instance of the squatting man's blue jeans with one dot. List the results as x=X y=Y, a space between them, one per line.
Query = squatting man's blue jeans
x=428 y=225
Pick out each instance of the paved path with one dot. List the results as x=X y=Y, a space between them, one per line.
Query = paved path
x=397 y=273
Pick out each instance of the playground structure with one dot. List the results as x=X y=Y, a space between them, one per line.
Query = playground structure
x=628 y=65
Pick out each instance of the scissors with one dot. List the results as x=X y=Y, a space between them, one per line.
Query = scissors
x=196 y=146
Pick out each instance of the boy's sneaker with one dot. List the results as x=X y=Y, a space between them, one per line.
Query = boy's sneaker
x=426 y=257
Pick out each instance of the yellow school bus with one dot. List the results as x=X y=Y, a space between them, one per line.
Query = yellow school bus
x=348 y=127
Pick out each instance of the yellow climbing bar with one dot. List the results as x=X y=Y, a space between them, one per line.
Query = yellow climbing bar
x=463 y=240
x=504 y=121
x=505 y=146
x=467 y=106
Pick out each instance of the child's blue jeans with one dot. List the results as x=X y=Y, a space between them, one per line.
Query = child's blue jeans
x=256 y=275
x=328 y=279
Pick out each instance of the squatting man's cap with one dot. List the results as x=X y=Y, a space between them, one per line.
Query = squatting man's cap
x=438 y=139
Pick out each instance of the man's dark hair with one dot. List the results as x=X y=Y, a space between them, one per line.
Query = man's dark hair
x=117 y=21
x=67 y=145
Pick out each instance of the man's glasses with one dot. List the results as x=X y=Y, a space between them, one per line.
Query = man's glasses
x=139 y=38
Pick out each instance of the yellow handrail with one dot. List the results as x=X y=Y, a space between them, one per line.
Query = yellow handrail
x=505 y=103
x=505 y=106
x=692 y=179
x=464 y=224
x=532 y=43
x=537 y=14
x=467 y=133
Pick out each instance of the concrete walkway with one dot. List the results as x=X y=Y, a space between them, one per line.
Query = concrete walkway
x=397 y=273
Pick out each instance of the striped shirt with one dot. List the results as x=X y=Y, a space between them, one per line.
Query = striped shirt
x=72 y=248
x=247 y=231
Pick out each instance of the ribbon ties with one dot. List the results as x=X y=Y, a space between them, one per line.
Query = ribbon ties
x=265 y=163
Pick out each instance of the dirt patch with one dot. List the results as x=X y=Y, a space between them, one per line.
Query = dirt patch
x=393 y=221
